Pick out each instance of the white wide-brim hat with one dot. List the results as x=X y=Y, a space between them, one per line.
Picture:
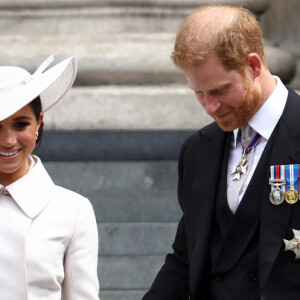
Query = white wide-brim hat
x=18 y=87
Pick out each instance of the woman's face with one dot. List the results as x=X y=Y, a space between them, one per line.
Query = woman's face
x=17 y=141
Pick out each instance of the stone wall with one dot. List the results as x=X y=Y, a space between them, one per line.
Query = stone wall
x=281 y=25
x=116 y=136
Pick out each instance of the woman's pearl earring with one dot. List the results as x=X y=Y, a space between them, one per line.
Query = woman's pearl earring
x=36 y=135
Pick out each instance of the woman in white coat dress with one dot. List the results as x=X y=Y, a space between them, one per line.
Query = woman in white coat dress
x=48 y=234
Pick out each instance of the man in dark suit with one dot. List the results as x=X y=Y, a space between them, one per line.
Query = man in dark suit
x=230 y=240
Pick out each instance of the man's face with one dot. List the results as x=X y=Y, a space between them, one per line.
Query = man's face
x=225 y=95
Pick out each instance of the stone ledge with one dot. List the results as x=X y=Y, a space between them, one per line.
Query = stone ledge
x=122 y=294
x=123 y=191
x=115 y=176
x=102 y=58
x=112 y=145
x=167 y=107
x=113 y=271
x=137 y=205
x=136 y=238
x=257 y=6
x=124 y=58
x=102 y=16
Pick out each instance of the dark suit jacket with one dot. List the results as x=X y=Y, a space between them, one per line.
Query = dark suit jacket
x=186 y=272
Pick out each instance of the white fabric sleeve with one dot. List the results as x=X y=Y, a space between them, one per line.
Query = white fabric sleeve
x=81 y=258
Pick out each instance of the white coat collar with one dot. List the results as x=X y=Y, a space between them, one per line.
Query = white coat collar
x=33 y=191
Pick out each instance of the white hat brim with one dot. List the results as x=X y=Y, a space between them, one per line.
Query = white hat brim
x=51 y=86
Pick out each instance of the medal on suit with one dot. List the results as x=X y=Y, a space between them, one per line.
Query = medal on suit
x=242 y=166
x=293 y=244
x=292 y=195
x=277 y=182
x=277 y=195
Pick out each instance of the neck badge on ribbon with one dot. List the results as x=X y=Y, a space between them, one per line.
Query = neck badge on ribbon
x=242 y=167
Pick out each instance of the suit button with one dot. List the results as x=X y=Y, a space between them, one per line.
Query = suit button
x=253 y=276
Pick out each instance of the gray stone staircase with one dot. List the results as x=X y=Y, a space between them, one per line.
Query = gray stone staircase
x=116 y=136
x=135 y=204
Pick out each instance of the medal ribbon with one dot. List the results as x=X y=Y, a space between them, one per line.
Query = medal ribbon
x=278 y=172
x=282 y=176
x=298 y=171
x=292 y=177
x=252 y=144
x=241 y=168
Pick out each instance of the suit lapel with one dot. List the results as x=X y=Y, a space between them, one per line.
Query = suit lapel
x=204 y=170
x=285 y=149
x=202 y=162
x=224 y=216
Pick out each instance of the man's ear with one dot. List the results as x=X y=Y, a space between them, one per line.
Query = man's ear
x=255 y=64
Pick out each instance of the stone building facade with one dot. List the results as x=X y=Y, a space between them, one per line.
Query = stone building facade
x=119 y=130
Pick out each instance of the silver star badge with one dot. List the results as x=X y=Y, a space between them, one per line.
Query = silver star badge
x=294 y=244
x=240 y=169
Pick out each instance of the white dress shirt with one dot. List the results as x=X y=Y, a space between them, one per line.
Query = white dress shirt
x=263 y=122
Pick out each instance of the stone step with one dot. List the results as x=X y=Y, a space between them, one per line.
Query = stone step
x=136 y=238
x=116 y=42
x=102 y=58
x=163 y=107
x=123 y=191
x=114 y=176
x=125 y=108
x=124 y=58
x=128 y=272
x=138 y=145
x=135 y=206
x=257 y=6
x=86 y=16
x=122 y=294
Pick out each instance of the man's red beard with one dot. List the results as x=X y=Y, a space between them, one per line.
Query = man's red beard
x=241 y=114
